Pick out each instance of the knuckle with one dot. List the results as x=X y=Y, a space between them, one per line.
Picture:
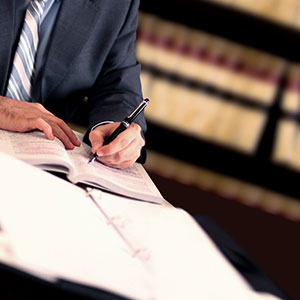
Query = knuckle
x=119 y=156
x=60 y=121
x=123 y=142
x=38 y=105
x=142 y=142
x=37 y=120
x=93 y=137
x=136 y=127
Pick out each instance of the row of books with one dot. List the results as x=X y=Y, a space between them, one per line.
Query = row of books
x=199 y=85
x=232 y=124
x=205 y=58
x=249 y=76
x=290 y=103
x=287 y=143
x=282 y=11
x=224 y=186
x=201 y=114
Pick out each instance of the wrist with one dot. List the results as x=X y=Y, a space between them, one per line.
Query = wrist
x=101 y=123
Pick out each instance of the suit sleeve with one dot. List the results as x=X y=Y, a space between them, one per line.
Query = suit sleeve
x=117 y=90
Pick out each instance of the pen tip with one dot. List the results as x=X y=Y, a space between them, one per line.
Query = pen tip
x=93 y=158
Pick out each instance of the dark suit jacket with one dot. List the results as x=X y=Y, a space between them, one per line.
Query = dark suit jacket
x=91 y=53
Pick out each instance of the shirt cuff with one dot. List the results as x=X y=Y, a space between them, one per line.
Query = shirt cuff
x=101 y=123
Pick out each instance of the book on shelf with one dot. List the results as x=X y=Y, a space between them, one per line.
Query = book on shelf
x=51 y=155
x=203 y=115
x=285 y=141
x=206 y=86
x=290 y=103
x=206 y=58
x=98 y=242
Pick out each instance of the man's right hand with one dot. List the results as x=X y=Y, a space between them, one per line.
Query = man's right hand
x=22 y=116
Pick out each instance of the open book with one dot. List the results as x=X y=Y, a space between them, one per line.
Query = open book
x=35 y=149
x=59 y=232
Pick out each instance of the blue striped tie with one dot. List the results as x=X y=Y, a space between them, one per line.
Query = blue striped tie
x=19 y=85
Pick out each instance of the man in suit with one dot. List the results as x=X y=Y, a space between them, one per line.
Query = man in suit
x=85 y=50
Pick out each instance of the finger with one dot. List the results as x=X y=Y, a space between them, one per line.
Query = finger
x=61 y=135
x=122 y=141
x=99 y=134
x=123 y=158
x=123 y=165
x=96 y=138
x=36 y=123
x=42 y=125
x=67 y=131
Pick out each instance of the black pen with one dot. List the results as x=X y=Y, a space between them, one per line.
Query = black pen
x=124 y=125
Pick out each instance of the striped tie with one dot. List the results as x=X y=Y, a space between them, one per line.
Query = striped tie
x=19 y=85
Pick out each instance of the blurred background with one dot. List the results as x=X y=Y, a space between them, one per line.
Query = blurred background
x=223 y=77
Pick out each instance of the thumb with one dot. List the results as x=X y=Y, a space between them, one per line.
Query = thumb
x=96 y=138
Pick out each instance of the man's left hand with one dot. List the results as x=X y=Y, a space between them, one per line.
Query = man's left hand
x=123 y=151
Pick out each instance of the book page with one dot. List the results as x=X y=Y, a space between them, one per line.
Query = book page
x=133 y=182
x=36 y=149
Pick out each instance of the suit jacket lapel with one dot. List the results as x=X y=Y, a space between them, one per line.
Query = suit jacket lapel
x=7 y=12
x=75 y=21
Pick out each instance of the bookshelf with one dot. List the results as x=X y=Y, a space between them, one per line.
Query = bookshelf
x=261 y=146
x=226 y=20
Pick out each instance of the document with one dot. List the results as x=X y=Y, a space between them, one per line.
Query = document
x=51 y=155
x=57 y=231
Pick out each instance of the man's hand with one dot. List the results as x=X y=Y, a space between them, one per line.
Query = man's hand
x=123 y=151
x=22 y=116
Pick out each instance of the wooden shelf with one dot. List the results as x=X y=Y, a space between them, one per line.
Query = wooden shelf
x=254 y=169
